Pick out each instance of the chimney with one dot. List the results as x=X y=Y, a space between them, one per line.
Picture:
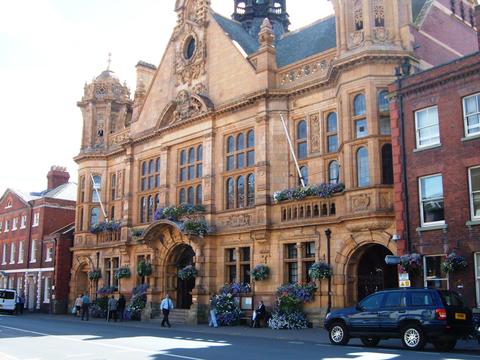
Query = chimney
x=477 y=23
x=57 y=176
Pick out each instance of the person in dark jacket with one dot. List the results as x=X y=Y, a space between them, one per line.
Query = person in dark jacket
x=121 y=303
x=260 y=313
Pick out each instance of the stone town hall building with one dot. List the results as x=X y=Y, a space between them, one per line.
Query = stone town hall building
x=205 y=128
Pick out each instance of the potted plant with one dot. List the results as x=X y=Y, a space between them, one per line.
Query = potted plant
x=123 y=272
x=144 y=268
x=95 y=274
x=453 y=263
x=320 y=270
x=188 y=272
x=411 y=263
x=260 y=272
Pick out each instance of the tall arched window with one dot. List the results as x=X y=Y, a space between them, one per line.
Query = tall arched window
x=191 y=195
x=363 y=172
x=199 y=195
x=199 y=153
x=150 y=208
x=94 y=216
x=143 y=209
x=251 y=190
x=332 y=139
x=80 y=219
x=359 y=105
x=384 y=113
x=358 y=15
x=240 y=192
x=333 y=172
x=302 y=139
x=157 y=173
x=387 y=164
x=181 y=196
x=96 y=188
x=240 y=142
x=379 y=12
x=251 y=145
x=230 y=193
x=304 y=172
x=359 y=112
x=157 y=202
x=151 y=175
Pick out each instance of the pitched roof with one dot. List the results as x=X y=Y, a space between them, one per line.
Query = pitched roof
x=291 y=47
x=66 y=191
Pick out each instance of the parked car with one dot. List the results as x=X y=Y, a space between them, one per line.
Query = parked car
x=8 y=300
x=416 y=316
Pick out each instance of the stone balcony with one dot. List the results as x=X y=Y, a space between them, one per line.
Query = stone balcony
x=103 y=239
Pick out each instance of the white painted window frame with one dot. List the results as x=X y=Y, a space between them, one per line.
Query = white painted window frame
x=465 y=121
x=417 y=129
x=433 y=223
x=470 y=188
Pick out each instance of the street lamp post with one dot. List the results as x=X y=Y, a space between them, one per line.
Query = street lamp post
x=328 y=233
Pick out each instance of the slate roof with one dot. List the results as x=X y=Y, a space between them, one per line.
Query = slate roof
x=291 y=47
x=417 y=6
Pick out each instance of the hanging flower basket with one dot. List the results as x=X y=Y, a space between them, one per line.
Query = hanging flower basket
x=453 y=263
x=122 y=273
x=196 y=227
x=236 y=288
x=411 y=263
x=320 y=270
x=260 y=272
x=94 y=274
x=106 y=226
x=188 y=272
x=144 y=268
x=322 y=191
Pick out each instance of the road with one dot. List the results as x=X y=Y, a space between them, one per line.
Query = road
x=39 y=337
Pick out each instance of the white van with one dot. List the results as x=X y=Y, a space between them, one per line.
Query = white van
x=8 y=300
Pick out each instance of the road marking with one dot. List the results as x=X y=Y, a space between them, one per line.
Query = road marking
x=296 y=342
x=79 y=355
x=105 y=345
x=8 y=357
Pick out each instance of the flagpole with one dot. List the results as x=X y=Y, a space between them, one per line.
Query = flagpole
x=292 y=150
x=99 y=198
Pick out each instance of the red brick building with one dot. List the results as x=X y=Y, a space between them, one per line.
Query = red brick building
x=436 y=154
x=36 y=232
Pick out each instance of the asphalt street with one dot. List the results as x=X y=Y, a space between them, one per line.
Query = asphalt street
x=38 y=337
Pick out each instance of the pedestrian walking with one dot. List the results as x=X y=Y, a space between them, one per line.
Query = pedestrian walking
x=19 y=304
x=213 y=311
x=85 y=307
x=166 y=305
x=112 y=309
x=121 y=303
x=78 y=304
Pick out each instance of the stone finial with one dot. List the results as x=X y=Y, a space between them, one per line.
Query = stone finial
x=266 y=37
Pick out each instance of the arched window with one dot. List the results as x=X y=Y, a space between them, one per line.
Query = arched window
x=251 y=147
x=157 y=202
x=302 y=139
x=304 y=172
x=96 y=188
x=384 y=113
x=359 y=105
x=387 y=164
x=383 y=104
x=144 y=168
x=191 y=155
x=200 y=153
x=151 y=176
x=240 y=142
x=333 y=172
x=199 y=195
x=94 y=216
x=143 y=209
x=183 y=157
x=251 y=190
x=358 y=15
x=230 y=144
x=332 y=139
x=230 y=193
x=251 y=139
x=379 y=12
x=363 y=173
x=151 y=167
x=240 y=192
x=150 y=209
x=80 y=219
x=181 y=196
x=191 y=195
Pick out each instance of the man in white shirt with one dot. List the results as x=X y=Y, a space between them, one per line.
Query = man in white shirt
x=166 y=305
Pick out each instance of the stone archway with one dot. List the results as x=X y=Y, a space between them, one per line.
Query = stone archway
x=180 y=290
x=81 y=281
x=368 y=273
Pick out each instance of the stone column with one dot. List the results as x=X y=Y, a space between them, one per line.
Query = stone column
x=164 y=172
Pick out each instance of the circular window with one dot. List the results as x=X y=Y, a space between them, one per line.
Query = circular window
x=190 y=48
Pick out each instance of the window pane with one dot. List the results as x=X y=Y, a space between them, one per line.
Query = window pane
x=471 y=104
x=183 y=174
x=143 y=209
x=199 y=171
x=230 y=163
x=144 y=168
x=199 y=195
x=240 y=192
x=372 y=302
x=395 y=299
x=230 y=145
x=230 y=194
x=421 y=299
x=361 y=128
x=382 y=101
x=150 y=182
x=245 y=274
x=363 y=173
x=200 y=153
x=387 y=164
x=191 y=172
x=359 y=107
x=150 y=208
x=183 y=157
x=251 y=190
x=157 y=165
x=304 y=172
x=245 y=254
x=333 y=174
x=251 y=139
x=432 y=199
x=190 y=195
x=385 y=126
x=301 y=130
x=232 y=273
x=332 y=143
x=427 y=127
x=157 y=181
x=181 y=198
x=232 y=255
x=94 y=216
x=240 y=142
x=302 y=150
x=240 y=161
x=250 y=158
x=191 y=155
x=332 y=122
x=310 y=249
x=291 y=251
x=473 y=124
x=292 y=272
x=151 y=167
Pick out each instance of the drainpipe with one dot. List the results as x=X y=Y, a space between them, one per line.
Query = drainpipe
x=328 y=233
x=405 y=197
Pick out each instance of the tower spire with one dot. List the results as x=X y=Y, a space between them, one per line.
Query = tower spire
x=109 y=61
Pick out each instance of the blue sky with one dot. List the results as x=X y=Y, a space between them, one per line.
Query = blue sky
x=50 y=48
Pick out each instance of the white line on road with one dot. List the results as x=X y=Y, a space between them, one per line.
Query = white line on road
x=105 y=345
x=79 y=355
x=8 y=357
x=296 y=342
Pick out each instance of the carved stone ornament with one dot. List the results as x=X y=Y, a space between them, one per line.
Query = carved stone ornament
x=381 y=34
x=314 y=133
x=372 y=225
x=240 y=220
x=361 y=202
x=357 y=37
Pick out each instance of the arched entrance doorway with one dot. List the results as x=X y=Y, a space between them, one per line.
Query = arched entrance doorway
x=82 y=281
x=368 y=272
x=180 y=290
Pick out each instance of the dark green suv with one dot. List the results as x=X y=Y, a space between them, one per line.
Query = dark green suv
x=416 y=316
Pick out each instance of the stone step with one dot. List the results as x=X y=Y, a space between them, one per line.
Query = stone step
x=176 y=316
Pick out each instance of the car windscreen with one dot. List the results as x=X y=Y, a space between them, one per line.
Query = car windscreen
x=450 y=298
x=8 y=295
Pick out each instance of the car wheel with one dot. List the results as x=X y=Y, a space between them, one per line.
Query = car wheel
x=370 y=341
x=413 y=337
x=444 y=345
x=338 y=334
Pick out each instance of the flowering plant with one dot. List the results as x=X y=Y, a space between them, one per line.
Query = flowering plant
x=228 y=310
x=94 y=274
x=320 y=270
x=196 y=227
x=303 y=292
x=299 y=193
x=106 y=290
x=188 y=272
x=236 y=289
x=137 y=233
x=177 y=213
x=144 y=268
x=293 y=320
x=106 y=226
x=454 y=262
x=138 y=302
x=411 y=263
x=123 y=272
x=260 y=272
